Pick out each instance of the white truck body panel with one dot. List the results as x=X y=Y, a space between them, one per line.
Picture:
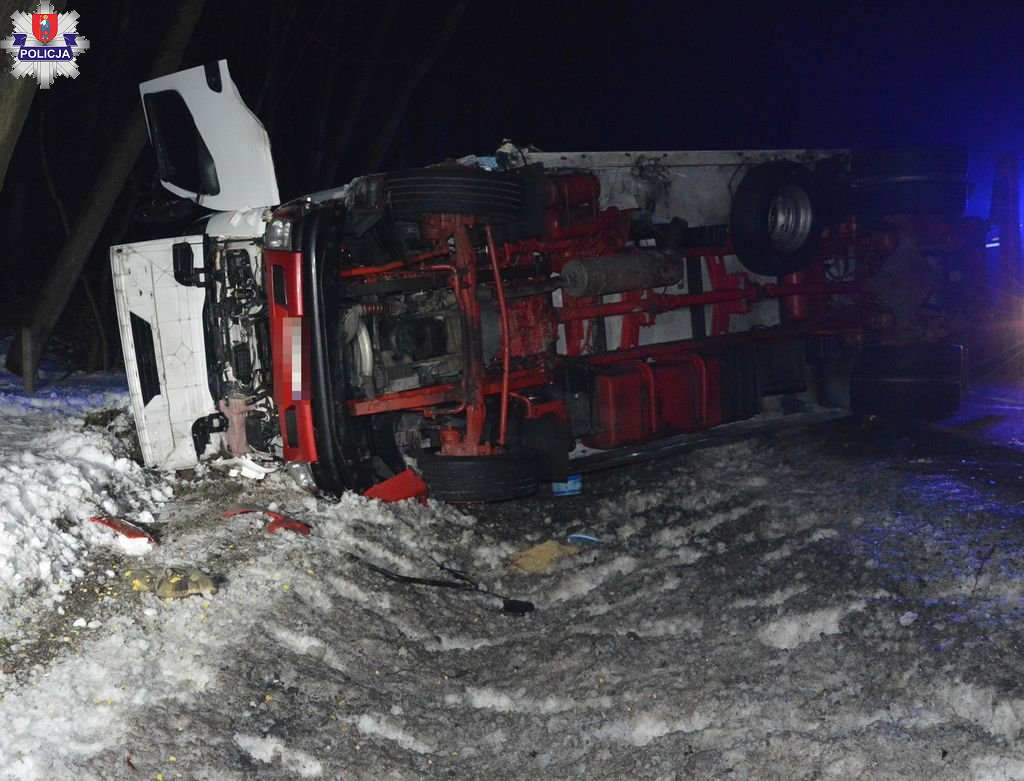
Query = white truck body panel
x=167 y=379
x=696 y=186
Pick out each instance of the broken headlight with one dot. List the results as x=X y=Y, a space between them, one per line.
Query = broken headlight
x=279 y=234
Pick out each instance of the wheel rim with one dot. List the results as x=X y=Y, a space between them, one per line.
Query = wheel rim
x=789 y=218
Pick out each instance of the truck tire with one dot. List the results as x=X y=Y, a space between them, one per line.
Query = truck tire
x=496 y=197
x=915 y=181
x=923 y=381
x=775 y=221
x=928 y=361
x=916 y=197
x=927 y=162
x=462 y=479
x=905 y=397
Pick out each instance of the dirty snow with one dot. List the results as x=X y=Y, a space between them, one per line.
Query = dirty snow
x=816 y=603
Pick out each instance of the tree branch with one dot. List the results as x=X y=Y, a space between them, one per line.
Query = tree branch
x=386 y=135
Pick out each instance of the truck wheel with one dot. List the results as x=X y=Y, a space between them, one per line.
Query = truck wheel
x=905 y=397
x=928 y=361
x=496 y=478
x=924 y=162
x=940 y=199
x=917 y=180
x=911 y=381
x=775 y=223
x=494 y=196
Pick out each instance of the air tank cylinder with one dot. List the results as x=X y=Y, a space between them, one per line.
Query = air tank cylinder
x=619 y=273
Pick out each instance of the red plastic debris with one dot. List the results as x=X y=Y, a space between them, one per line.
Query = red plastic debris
x=241 y=509
x=277 y=521
x=280 y=522
x=404 y=485
x=123 y=527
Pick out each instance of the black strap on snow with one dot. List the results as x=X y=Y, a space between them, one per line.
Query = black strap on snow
x=462 y=582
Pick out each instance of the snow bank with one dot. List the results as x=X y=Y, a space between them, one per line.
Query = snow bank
x=55 y=473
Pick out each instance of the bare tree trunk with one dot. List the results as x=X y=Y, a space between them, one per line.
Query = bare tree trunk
x=386 y=134
x=270 y=99
x=15 y=94
x=51 y=186
x=282 y=42
x=25 y=354
x=357 y=97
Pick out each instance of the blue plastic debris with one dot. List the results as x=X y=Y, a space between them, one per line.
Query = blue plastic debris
x=571 y=487
x=580 y=537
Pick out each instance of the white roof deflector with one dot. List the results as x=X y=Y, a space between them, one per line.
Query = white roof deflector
x=210 y=147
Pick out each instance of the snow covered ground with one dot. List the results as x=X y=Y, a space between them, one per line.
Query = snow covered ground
x=819 y=603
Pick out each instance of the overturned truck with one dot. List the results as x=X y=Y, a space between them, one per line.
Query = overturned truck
x=489 y=321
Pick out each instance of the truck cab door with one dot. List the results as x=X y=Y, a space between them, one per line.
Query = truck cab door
x=210 y=148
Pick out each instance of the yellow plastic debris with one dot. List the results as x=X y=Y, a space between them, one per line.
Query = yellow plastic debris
x=539 y=558
x=169 y=582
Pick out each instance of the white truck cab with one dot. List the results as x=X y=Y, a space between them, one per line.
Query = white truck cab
x=212 y=150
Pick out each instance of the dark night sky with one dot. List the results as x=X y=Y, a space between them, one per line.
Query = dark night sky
x=567 y=75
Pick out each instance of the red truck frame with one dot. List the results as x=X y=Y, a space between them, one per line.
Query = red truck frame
x=480 y=326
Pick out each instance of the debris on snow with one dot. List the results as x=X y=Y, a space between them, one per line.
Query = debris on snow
x=126 y=529
x=171 y=582
x=242 y=466
x=540 y=558
x=405 y=485
x=278 y=522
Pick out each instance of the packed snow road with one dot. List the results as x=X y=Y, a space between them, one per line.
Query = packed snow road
x=825 y=602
